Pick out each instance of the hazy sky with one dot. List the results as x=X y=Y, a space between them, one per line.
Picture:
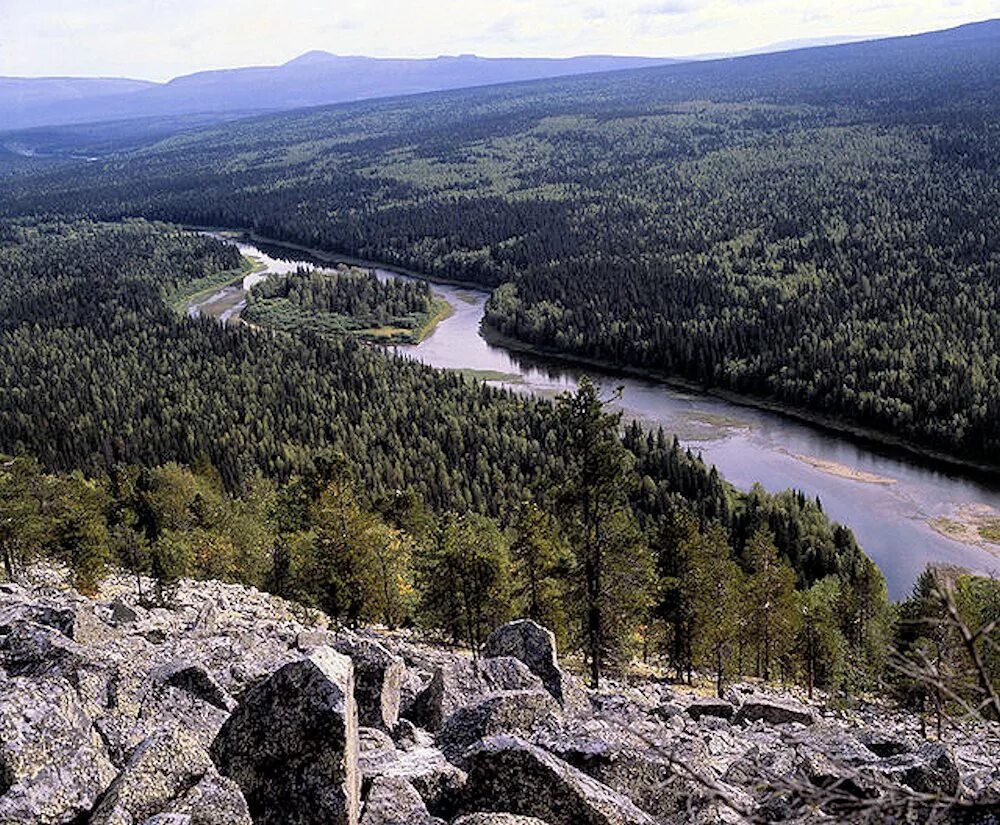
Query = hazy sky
x=158 y=39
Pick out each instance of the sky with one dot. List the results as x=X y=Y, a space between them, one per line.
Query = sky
x=160 y=39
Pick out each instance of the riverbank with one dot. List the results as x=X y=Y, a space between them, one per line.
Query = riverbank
x=866 y=436
x=198 y=291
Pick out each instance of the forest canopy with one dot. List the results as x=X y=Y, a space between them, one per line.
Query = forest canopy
x=819 y=227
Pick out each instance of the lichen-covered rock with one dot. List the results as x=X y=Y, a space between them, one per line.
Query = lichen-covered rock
x=511 y=775
x=292 y=744
x=194 y=679
x=483 y=818
x=458 y=683
x=711 y=706
x=774 y=711
x=651 y=778
x=534 y=645
x=394 y=801
x=378 y=677
x=437 y=780
x=515 y=711
x=930 y=769
x=215 y=800
x=160 y=778
x=53 y=765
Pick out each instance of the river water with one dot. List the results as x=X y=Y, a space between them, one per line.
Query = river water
x=889 y=500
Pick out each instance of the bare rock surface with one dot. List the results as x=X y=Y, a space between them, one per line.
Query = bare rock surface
x=229 y=705
x=292 y=743
x=511 y=775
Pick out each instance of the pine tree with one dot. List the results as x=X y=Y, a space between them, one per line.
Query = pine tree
x=715 y=585
x=592 y=499
x=769 y=602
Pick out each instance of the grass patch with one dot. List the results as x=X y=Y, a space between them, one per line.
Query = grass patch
x=491 y=375
x=990 y=531
x=198 y=290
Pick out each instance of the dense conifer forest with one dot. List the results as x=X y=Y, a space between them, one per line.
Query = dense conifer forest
x=102 y=380
x=818 y=228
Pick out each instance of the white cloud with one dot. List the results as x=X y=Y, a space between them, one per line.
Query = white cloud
x=162 y=38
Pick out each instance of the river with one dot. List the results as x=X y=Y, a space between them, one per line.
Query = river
x=889 y=500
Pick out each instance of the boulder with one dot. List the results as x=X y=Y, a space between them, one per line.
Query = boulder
x=407 y=736
x=195 y=680
x=774 y=711
x=460 y=682
x=438 y=782
x=394 y=801
x=628 y=765
x=885 y=744
x=215 y=800
x=482 y=818
x=122 y=614
x=375 y=749
x=532 y=644
x=307 y=640
x=378 y=677
x=510 y=775
x=53 y=765
x=515 y=711
x=930 y=770
x=292 y=744
x=711 y=706
x=31 y=649
x=170 y=773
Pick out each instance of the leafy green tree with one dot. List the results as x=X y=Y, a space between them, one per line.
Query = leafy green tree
x=172 y=558
x=541 y=567
x=464 y=578
x=25 y=524
x=80 y=534
x=673 y=605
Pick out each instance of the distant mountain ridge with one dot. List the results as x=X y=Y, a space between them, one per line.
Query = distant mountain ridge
x=312 y=79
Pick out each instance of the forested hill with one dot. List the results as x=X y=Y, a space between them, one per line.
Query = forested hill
x=816 y=227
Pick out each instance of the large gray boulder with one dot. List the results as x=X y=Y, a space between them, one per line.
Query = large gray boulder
x=774 y=711
x=170 y=773
x=292 y=744
x=930 y=769
x=194 y=679
x=508 y=774
x=626 y=763
x=438 y=782
x=394 y=801
x=458 y=683
x=53 y=765
x=378 y=677
x=529 y=642
x=515 y=711
x=711 y=706
x=483 y=818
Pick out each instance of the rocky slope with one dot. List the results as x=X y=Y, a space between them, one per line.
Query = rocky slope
x=236 y=707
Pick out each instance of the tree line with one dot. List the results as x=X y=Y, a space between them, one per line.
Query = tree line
x=818 y=228
x=492 y=500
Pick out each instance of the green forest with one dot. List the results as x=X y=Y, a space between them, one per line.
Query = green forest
x=107 y=396
x=818 y=228
x=346 y=302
